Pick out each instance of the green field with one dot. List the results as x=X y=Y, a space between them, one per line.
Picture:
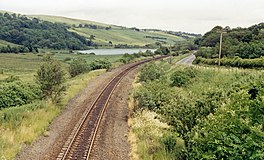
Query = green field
x=117 y=34
x=26 y=65
x=5 y=43
x=125 y=36
x=66 y=20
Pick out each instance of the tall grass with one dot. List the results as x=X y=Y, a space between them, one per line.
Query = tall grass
x=187 y=107
x=22 y=125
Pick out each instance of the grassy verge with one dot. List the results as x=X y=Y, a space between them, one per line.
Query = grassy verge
x=203 y=107
x=147 y=131
x=22 y=125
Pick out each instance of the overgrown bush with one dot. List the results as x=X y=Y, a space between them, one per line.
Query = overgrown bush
x=153 y=95
x=17 y=93
x=162 y=50
x=173 y=146
x=234 y=131
x=50 y=78
x=233 y=62
x=220 y=119
x=182 y=77
x=126 y=58
x=78 y=66
x=100 y=64
x=151 y=72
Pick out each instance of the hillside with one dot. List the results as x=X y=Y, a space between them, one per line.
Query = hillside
x=33 y=32
x=110 y=35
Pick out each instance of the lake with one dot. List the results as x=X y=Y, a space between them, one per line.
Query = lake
x=114 y=51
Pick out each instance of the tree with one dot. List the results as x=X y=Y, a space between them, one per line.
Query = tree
x=50 y=77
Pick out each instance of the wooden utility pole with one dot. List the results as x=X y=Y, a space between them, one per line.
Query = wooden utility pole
x=220 y=47
x=170 y=55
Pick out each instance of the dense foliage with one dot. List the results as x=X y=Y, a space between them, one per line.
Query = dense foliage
x=34 y=33
x=78 y=66
x=233 y=62
x=241 y=42
x=220 y=119
x=245 y=43
x=16 y=93
x=50 y=78
x=100 y=64
x=126 y=58
x=151 y=72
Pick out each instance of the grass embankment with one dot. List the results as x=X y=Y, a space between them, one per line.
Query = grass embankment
x=23 y=124
x=203 y=109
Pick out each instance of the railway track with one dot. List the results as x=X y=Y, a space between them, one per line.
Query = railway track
x=80 y=143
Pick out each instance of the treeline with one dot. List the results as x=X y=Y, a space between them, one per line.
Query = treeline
x=34 y=33
x=91 y=26
x=14 y=49
x=242 y=42
x=153 y=37
x=233 y=62
x=184 y=35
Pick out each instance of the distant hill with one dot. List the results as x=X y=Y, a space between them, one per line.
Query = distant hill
x=108 y=35
x=55 y=32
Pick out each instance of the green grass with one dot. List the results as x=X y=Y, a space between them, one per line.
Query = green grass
x=25 y=65
x=22 y=125
x=5 y=43
x=117 y=35
x=125 y=36
x=70 y=21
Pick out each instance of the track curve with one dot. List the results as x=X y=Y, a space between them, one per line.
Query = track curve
x=80 y=143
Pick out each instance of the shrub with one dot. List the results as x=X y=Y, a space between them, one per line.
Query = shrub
x=100 y=64
x=174 y=146
x=51 y=79
x=78 y=66
x=67 y=59
x=182 y=77
x=151 y=72
x=18 y=93
x=233 y=62
x=126 y=58
x=162 y=50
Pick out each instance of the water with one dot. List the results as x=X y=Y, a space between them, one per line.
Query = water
x=114 y=51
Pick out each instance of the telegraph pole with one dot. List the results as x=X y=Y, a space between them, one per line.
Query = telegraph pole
x=220 y=47
x=170 y=55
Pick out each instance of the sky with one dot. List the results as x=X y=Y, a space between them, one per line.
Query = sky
x=194 y=16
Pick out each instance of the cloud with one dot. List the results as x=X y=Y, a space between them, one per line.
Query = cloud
x=189 y=15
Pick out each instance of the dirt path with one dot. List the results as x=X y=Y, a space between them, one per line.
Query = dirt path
x=116 y=128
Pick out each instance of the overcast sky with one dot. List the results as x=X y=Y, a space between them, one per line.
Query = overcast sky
x=197 y=16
